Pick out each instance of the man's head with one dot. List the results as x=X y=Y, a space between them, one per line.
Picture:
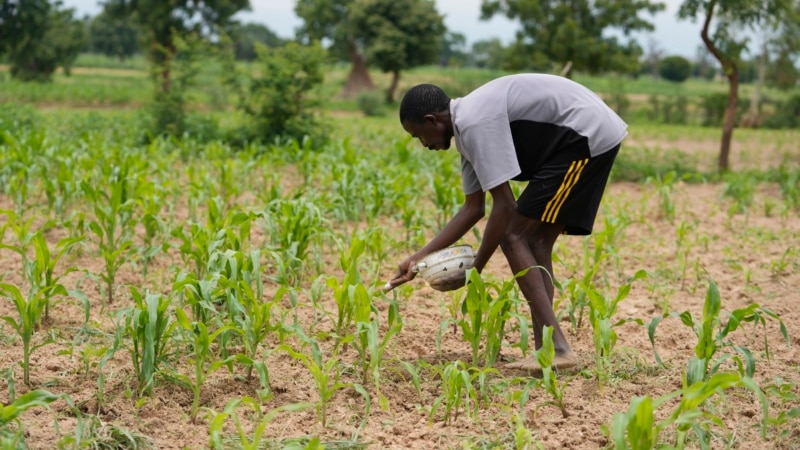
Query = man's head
x=425 y=115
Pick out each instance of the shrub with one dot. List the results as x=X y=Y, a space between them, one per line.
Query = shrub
x=370 y=103
x=787 y=114
x=277 y=95
x=674 y=68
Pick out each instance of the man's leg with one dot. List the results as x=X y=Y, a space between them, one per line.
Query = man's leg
x=528 y=243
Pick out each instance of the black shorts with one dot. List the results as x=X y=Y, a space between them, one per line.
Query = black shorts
x=567 y=188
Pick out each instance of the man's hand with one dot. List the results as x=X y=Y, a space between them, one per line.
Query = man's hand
x=405 y=273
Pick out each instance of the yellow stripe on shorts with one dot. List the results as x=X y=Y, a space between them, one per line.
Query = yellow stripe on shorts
x=570 y=180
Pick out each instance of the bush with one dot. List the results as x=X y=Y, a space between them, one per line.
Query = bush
x=787 y=114
x=277 y=95
x=370 y=103
x=674 y=68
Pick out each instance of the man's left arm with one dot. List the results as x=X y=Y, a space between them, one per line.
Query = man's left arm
x=504 y=206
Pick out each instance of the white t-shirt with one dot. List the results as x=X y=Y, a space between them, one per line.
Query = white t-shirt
x=545 y=109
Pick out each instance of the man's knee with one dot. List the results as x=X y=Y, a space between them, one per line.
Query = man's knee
x=510 y=241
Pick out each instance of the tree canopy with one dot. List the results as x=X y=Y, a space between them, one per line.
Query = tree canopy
x=577 y=31
x=113 y=36
x=160 y=20
x=245 y=37
x=38 y=37
x=725 y=40
x=330 y=20
x=398 y=34
x=675 y=68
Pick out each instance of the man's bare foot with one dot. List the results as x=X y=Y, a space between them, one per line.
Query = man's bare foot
x=531 y=366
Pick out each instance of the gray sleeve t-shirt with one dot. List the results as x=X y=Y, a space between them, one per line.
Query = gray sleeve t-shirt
x=482 y=123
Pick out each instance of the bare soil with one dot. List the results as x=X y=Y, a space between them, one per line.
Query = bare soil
x=740 y=251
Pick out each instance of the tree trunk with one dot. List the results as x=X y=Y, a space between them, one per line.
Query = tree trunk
x=358 y=79
x=393 y=87
x=732 y=73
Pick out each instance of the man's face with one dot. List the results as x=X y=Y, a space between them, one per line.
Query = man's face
x=431 y=132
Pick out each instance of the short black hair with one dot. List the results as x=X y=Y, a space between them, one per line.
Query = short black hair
x=421 y=100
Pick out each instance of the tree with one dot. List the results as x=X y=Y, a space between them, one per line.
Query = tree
x=246 y=36
x=783 y=74
x=653 y=57
x=38 y=37
x=577 y=31
x=278 y=97
x=729 y=18
x=675 y=68
x=330 y=20
x=454 y=49
x=161 y=20
x=113 y=36
x=489 y=53
x=398 y=34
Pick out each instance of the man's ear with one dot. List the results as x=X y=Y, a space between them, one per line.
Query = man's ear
x=430 y=118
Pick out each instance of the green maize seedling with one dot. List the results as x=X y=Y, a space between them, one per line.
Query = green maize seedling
x=10 y=413
x=713 y=338
x=458 y=386
x=545 y=356
x=149 y=326
x=217 y=422
x=29 y=311
x=601 y=312
x=113 y=225
x=485 y=309
x=324 y=373
x=637 y=429
x=201 y=342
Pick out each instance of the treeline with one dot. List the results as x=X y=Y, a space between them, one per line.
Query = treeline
x=393 y=36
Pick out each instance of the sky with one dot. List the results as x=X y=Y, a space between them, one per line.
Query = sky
x=672 y=36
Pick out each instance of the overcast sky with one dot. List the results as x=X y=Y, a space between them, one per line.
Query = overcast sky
x=673 y=36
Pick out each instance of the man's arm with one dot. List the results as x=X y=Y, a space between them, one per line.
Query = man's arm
x=503 y=207
x=470 y=213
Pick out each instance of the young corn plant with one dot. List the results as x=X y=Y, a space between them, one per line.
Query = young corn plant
x=113 y=225
x=249 y=313
x=201 y=342
x=293 y=226
x=353 y=303
x=458 y=381
x=216 y=435
x=203 y=244
x=372 y=347
x=713 y=338
x=485 y=312
x=549 y=382
x=150 y=327
x=29 y=312
x=601 y=313
x=638 y=429
x=10 y=413
x=41 y=272
x=325 y=375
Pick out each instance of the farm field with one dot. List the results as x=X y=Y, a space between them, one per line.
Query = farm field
x=187 y=294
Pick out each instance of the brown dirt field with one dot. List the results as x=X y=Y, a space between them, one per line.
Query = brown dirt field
x=741 y=252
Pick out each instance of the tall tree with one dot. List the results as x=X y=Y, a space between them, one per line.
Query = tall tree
x=489 y=53
x=726 y=43
x=330 y=20
x=38 y=37
x=577 y=33
x=454 y=49
x=160 y=20
x=246 y=36
x=113 y=36
x=398 y=34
